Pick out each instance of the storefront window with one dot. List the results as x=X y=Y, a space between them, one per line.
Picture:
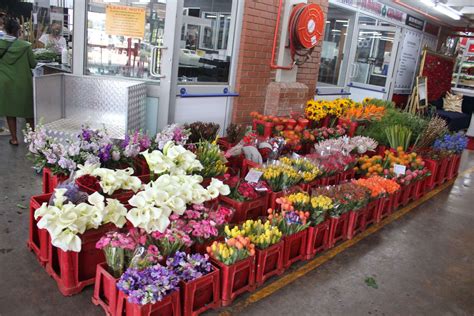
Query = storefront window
x=205 y=47
x=130 y=46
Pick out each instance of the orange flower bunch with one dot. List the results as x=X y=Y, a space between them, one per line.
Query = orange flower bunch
x=371 y=166
x=368 y=112
x=376 y=190
x=410 y=160
x=388 y=185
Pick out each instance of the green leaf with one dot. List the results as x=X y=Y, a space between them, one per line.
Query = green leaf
x=370 y=281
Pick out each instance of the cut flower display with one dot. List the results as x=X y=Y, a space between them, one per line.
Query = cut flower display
x=262 y=235
x=65 y=221
x=232 y=250
x=153 y=206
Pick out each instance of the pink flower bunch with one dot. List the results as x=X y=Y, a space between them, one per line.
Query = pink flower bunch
x=173 y=235
x=201 y=222
x=117 y=240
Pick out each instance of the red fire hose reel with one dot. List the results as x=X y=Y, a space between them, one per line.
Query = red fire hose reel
x=305 y=29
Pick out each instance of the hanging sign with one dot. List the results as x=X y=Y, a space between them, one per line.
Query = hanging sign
x=125 y=21
x=415 y=22
x=377 y=8
x=410 y=51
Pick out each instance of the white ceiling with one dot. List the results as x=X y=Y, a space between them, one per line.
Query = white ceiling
x=466 y=7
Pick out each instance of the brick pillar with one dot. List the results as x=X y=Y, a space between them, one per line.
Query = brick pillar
x=255 y=80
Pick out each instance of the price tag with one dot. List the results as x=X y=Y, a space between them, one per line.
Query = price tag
x=253 y=176
x=399 y=169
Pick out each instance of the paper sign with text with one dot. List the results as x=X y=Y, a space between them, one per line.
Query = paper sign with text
x=253 y=176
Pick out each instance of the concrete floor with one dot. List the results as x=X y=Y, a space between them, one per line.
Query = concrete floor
x=423 y=263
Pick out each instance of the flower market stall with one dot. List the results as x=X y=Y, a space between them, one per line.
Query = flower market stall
x=185 y=221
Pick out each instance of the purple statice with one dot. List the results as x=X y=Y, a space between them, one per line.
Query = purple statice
x=67 y=164
x=149 y=285
x=86 y=134
x=451 y=142
x=173 y=132
x=189 y=267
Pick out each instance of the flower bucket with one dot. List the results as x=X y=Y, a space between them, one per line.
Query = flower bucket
x=269 y=262
x=318 y=237
x=433 y=167
x=236 y=279
x=338 y=229
x=121 y=195
x=442 y=171
x=388 y=205
x=73 y=271
x=294 y=248
x=51 y=181
x=419 y=189
x=169 y=306
x=105 y=290
x=39 y=239
x=263 y=128
x=453 y=167
x=373 y=212
x=200 y=295
x=307 y=187
x=357 y=220
x=347 y=175
x=330 y=180
x=246 y=209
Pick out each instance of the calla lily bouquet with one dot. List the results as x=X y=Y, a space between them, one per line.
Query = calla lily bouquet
x=170 y=194
x=174 y=159
x=65 y=220
x=110 y=180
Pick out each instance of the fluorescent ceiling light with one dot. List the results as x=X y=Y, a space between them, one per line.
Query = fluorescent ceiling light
x=328 y=21
x=444 y=9
x=341 y=21
x=428 y=3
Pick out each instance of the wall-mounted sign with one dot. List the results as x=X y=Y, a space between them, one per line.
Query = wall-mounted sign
x=125 y=21
x=470 y=49
x=415 y=22
x=377 y=8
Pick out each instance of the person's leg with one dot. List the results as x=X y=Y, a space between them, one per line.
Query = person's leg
x=12 y=127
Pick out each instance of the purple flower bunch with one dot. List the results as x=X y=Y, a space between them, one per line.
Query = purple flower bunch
x=455 y=143
x=201 y=222
x=189 y=267
x=117 y=240
x=173 y=132
x=134 y=144
x=149 y=285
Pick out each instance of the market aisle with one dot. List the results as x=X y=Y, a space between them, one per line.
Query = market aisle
x=422 y=263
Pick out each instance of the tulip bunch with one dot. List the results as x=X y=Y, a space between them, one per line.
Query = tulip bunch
x=317 y=206
x=232 y=251
x=211 y=158
x=262 y=235
x=389 y=186
x=308 y=169
x=347 y=196
x=376 y=190
x=288 y=220
x=280 y=176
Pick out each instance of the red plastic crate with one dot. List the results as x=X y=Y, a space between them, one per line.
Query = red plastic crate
x=262 y=128
x=373 y=209
x=442 y=171
x=338 y=229
x=236 y=279
x=140 y=166
x=200 y=295
x=307 y=187
x=347 y=175
x=330 y=180
x=38 y=240
x=388 y=205
x=121 y=195
x=246 y=166
x=269 y=262
x=318 y=237
x=73 y=271
x=433 y=167
x=169 y=306
x=294 y=248
x=51 y=181
x=246 y=209
x=357 y=220
x=419 y=189
x=105 y=290
x=453 y=167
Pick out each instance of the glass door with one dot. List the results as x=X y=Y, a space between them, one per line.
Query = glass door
x=374 y=59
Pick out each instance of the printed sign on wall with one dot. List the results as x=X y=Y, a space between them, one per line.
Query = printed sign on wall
x=125 y=21
x=409 y=54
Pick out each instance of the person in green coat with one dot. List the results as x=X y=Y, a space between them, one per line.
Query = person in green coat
x=16 y=81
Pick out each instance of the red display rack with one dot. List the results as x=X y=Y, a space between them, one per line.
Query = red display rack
x=169 y=306
x=269 y=262
x=294 y=248
x=105 y=290
x=318 y=237
x=39 y=239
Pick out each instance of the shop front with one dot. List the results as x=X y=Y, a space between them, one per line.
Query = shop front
x=185 y=51
x=370 y=50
